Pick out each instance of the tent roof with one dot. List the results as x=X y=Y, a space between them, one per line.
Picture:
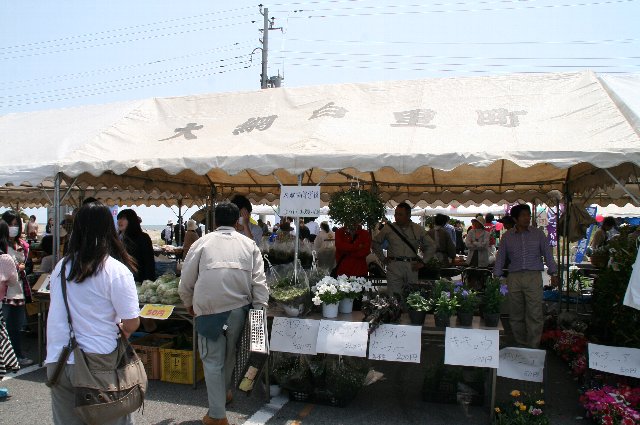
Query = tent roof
x=477 y=138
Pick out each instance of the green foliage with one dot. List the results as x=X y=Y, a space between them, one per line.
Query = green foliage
x=614 y=323
x=356 y=206
x=468 y=300
x=445 y=304
x=289 y=294
x=417 y=302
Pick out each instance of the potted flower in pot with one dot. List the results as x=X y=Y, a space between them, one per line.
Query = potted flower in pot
x=327 y=293
x=291 y=298
x=444 y=306
x=494 y=294
x=468 y=300
x=350 y=287
x=418 y=308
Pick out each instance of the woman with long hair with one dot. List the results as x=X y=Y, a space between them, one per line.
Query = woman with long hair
x=138 y=245
x=8 y=278
x=13 y=304
x=102 y=299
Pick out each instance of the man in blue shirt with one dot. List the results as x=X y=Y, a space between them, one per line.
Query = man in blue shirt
x=525 y=246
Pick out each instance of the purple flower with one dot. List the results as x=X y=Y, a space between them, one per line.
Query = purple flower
x=503 y=289
x=446 y=295
x=465 y=293
x=458 y=283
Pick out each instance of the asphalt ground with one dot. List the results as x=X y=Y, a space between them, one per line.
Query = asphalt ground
x=397 y=399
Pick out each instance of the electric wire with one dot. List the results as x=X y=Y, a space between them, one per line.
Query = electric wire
x=57 y=78
x=489 y=43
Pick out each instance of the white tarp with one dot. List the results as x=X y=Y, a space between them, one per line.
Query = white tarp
x=433 y=140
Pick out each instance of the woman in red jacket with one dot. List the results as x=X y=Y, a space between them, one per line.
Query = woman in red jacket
x=353 y=244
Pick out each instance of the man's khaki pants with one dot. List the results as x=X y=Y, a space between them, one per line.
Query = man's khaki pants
x=399 y=275
x=525 y=307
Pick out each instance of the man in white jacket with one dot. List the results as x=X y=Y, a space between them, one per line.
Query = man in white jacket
x=222 y=276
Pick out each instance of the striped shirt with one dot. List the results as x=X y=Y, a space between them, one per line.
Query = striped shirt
x=525 y=250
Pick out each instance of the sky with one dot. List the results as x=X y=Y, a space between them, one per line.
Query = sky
x=71 y=53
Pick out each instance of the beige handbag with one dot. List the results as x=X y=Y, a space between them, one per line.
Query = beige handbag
x=107 y=386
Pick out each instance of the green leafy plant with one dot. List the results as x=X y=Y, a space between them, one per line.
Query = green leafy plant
x=356 y=206
x=467 y=299
x=445 y=304
x=494 y=294
x=289 y=294
x=417 y=302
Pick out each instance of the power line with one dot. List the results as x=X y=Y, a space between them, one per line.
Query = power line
x=123 y=81
x=146 y=84
x=56 y=78
x=116 y=42
x=134 y=27
x=397 y=55
x=605 y=41
x=419 y=66
x=427 y=12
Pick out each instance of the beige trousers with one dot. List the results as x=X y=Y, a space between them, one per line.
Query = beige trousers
x=399 y=275
x=525 y=307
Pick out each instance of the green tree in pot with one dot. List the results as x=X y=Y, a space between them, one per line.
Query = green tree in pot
x=418 y=308
x=494 y=294
x=356 y=206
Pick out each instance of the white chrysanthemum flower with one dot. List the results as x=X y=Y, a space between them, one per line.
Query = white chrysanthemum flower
x=316 y=300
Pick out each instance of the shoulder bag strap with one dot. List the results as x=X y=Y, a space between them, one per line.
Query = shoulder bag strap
x=67 y=349
x=404 y=239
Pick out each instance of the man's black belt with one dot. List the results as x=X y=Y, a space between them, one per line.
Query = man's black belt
x=405 y=259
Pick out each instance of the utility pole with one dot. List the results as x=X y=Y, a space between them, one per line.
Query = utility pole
x=267 y=26
x=265 y=47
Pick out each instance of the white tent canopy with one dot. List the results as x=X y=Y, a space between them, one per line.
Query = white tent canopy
x=482 y=139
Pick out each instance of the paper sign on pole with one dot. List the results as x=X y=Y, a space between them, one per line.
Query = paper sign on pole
x=524 y=364
x=299 y=201
x=294 y=335
x=257 y=323
x=396 y=343
x=472 y=347
x=343 y=338
x=618 y=360
x=156 y=311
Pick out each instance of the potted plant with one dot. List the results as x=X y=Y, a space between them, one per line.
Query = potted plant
x=356 y=206
x=468 y=302
x=381 y=309
x=418 y=308
x=444 y=306
x=291 y=298
x=494 y=294
x=327 y=293
x=350 y=287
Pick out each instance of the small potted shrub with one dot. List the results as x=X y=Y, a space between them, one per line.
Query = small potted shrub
x=418 y=308
x=468 y=302
x=494 y=294
x=444 y=306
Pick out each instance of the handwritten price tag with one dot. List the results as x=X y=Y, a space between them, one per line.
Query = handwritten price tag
x=294 y=335
x=618 y=360
x=396 y=343
x=156 y=311
x=300 y=201
x=343 y=338
x=471 y=347
x=524 y=364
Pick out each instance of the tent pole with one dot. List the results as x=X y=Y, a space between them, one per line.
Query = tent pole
x=179 y=235
x=558 y=252
x=631 y=195
x=56 y=218
x=297 y=241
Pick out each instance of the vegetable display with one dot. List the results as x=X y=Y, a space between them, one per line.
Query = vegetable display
x=163 y=290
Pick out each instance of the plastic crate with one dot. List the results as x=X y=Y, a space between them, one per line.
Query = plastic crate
x=148 y=349
x=177 y=366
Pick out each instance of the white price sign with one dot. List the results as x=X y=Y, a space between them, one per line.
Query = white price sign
x=396 y=343
x=343 y=338
x=299 y=201
x=294 y=335
x=525 y=364
x=618 y=360
x=472 y=347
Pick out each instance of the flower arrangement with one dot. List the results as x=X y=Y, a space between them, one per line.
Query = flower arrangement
x=417 y=302
x=612 y=405
x=327 y=291
x=524 y=409
x=494 y=294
